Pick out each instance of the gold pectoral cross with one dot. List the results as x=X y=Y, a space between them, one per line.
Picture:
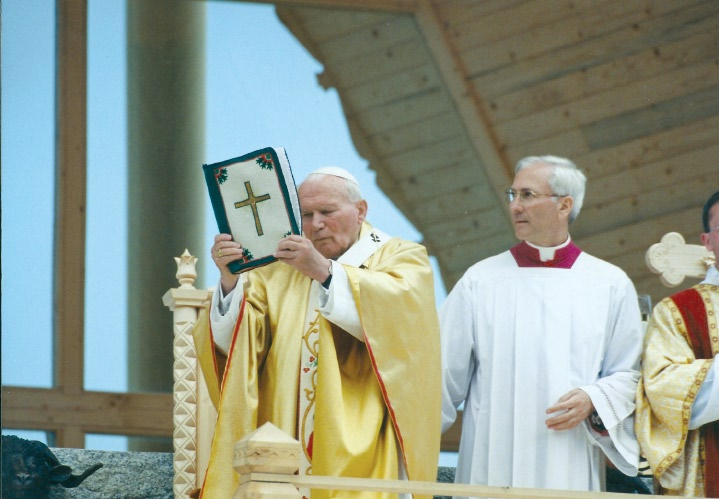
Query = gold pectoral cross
x=252 y=201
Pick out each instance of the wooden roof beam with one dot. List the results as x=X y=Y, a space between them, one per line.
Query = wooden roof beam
x=397 y=6
x=468 y=103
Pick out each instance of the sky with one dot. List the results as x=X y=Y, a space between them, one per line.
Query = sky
x=261 y=90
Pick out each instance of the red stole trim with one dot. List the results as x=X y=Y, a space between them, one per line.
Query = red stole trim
x=215 y=364
x=222 y=381
x=691 y=306
x=387 y=401
x=232 y=343
x=564 y=258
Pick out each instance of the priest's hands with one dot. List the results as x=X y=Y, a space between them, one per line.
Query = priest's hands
x=574 y=407
x=293 y=250
x=299 y=252
x=224 y=251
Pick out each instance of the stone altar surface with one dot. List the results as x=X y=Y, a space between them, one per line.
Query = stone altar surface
x=124 y=475
x=132 y=475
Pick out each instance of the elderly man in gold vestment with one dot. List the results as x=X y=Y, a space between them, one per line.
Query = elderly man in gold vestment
x=677 y=420
x=337 y=344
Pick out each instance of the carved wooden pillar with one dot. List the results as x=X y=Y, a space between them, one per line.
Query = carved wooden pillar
x=193 y=414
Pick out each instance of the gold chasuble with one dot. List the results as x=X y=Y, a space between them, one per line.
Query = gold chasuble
x=679 y=348
x=373 y=398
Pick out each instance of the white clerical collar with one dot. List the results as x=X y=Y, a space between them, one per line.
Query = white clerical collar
x=546 y=254
x=369 y=242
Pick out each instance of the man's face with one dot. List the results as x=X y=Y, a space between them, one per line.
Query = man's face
x=329 y=219
x=542 y=220
x=711 y=238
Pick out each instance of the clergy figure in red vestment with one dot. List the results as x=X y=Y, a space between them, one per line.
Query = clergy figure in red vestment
x=678 y=393
x=541 y=344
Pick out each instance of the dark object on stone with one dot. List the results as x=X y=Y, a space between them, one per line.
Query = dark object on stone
x=29 y=468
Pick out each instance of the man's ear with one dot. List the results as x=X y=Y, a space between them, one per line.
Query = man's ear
x=361 y=211
x=706 y=241
x=566 y=204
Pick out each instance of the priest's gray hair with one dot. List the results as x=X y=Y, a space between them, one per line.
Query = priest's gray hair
x=566 y=180
x=352 y=189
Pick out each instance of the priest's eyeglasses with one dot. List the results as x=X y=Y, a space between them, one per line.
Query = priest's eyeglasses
x=526 y=196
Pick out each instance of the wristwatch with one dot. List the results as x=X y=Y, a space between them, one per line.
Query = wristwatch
x=326 y=283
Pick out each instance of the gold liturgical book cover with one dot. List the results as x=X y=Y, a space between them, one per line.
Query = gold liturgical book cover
x=255 y=200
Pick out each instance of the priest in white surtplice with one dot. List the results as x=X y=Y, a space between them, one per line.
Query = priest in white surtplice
x=542 y=344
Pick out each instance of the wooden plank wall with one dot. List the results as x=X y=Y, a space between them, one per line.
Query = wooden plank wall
x=628 y=90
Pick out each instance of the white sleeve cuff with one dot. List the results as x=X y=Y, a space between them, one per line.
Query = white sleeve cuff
x=337 y=304
x=705 y=408
x=224 y=312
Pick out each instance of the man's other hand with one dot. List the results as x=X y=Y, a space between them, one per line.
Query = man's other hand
x=573 y=407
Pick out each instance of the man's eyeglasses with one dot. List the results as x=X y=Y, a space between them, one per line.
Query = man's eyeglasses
x=712 y=229
x=526 y=196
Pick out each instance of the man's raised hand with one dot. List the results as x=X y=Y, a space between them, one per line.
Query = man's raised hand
x=299 y=252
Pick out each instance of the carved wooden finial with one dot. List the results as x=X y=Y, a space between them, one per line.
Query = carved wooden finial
x=674 y=260
x=186 y=270
x=267 y=450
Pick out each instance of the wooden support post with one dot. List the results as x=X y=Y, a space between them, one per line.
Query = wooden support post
x=190 y=442
x=267 y=450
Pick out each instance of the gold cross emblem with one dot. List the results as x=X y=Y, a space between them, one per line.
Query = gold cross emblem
x=252 y=201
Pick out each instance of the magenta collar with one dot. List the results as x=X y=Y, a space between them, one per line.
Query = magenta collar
x=564 y=258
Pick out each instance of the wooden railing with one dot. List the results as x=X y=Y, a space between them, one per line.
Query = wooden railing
x=267 y=465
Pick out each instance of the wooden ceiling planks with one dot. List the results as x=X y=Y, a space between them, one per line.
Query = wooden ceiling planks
x=327 y=24
x=629 y=90
x=624 y=239
x=482 y=27
x=662 y=146
x=572 y=86
x=432 y=155
x=626 y=246
x=383 y=64
x=465 y=229
x=526 y=39
x=413 y=108
x=447 y=196
x=381 y=35
x=616 y=103
x=468 y=105
x=411 y=136
x=458 y=13
x=470 y=198
x=655 y=175
x=647 y=204
x=411 y=81
x=622 y=42
x=655 y=118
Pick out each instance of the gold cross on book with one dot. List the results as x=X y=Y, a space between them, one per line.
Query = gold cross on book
x=252 y=201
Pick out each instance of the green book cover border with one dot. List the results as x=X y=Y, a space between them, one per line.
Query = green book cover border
x=219 y=210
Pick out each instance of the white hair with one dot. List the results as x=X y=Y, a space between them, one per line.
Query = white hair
x=566 y=179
